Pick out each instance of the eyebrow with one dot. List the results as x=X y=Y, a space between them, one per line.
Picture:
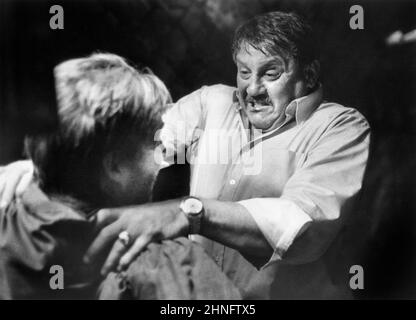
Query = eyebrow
x=275 y=61
x=240 y=62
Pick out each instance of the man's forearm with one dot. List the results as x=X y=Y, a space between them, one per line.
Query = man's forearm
x=231 y=224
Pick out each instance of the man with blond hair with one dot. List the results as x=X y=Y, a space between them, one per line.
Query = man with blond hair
x=107 y=112
x=101 y=155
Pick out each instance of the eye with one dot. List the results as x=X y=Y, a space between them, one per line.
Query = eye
x=273 y=75
x=244 y=74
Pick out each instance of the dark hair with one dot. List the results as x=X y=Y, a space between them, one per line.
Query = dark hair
x=278 y=33
x=104 y=105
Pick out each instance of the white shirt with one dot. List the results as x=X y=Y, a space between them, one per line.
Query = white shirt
x=301 y=172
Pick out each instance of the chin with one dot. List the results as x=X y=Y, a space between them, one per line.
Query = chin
x=260 y=124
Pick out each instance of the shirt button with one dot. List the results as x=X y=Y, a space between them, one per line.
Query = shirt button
x=232 y=182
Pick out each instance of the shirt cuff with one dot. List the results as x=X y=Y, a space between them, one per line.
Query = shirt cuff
x=280 y=220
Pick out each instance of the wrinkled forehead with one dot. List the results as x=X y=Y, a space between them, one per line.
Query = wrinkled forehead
x=260 y=54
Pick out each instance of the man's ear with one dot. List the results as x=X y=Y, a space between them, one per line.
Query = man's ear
x=113 y=168
x=311 y=73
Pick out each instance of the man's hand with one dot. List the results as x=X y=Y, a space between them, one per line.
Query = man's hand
x=14 y=179
x=145 y=224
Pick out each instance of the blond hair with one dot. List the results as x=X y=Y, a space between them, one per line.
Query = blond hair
x=104 y=105
x=94 y=89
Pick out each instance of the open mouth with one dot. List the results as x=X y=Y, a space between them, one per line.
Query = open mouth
x=257 y=107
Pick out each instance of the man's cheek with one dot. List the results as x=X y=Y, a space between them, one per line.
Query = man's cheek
x=242 y=86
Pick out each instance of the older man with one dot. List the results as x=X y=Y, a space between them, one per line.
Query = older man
x=269 y=212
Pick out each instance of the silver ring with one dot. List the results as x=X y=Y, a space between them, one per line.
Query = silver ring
x=124 y=238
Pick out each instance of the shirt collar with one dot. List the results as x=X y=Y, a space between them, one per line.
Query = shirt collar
x=300 y=108
x=36 y=201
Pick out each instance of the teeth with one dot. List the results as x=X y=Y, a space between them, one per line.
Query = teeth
x=256 y=106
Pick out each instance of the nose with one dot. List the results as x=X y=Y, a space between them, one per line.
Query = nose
x=255 y=88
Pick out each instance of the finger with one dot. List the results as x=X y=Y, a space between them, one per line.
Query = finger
x=113 y=258
x=24 y=183
x=104 y=239
x=139 y=245
x=106 y=217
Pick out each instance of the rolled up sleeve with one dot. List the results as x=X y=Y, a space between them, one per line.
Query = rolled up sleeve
x=280 y=221
x=313 y=196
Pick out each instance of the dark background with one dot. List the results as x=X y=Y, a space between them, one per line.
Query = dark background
x=186 y=43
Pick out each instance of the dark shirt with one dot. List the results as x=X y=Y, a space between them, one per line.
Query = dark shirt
x=36 y=233
x=176 y=269
x=40 y=231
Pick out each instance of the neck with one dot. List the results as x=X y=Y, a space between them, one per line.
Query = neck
x=277 y=124
x=78 y=190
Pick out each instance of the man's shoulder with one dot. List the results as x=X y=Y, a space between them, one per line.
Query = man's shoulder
x=32 y=214
x=37 y=232
x=335 y=114
x=31 y=222
x=218 y=93
x=221 y=89
x=209 y=95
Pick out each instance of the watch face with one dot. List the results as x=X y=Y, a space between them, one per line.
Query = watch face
x=192 y=206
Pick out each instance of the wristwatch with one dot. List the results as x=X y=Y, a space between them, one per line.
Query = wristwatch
x=194 y=210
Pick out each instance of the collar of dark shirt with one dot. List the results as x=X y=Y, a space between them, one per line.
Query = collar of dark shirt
x=37 y=201
x=300 y=108
x=52 y=212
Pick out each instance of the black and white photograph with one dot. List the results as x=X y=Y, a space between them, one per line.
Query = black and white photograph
x=215 y=150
